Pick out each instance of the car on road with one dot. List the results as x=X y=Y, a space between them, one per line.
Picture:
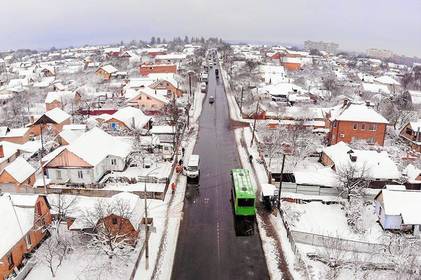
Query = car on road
x=203 y=87
x=192 y=169
x=211 y=99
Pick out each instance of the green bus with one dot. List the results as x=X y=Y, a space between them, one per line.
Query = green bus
x=244 y=201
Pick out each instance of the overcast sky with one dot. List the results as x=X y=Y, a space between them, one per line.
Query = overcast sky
x=354 y=24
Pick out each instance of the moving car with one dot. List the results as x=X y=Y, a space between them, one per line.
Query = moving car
x=211 y=99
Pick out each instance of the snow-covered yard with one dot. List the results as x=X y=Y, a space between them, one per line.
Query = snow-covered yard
x=330 y=220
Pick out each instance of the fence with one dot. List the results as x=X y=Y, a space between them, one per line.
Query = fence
x=308 y=190
x=335 y=242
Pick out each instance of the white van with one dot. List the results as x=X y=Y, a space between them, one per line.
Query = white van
x=192 y=169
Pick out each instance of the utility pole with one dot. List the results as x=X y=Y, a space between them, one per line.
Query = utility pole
x=147 y=231
x=241 y=100
x=280 y=183
x=254 y=124
x=40 y=159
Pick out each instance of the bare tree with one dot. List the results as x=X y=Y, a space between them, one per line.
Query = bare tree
x=352 y=179
x=113 y=240
x=63 y=206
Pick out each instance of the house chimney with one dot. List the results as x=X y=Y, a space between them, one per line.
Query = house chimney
x=1 y=151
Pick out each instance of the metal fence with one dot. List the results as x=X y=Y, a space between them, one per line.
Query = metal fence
x=335 y=242
x=308 y=190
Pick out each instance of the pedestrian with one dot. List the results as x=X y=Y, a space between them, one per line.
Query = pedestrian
x=180 y=162
x=250 y=158
x=173 y=186
x=182 y=151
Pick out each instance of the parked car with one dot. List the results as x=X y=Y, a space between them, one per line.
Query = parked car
x=203 y=87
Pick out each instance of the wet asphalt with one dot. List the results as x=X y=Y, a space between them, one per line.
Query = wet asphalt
x=208 y=247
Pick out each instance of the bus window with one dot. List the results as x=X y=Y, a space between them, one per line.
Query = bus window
x=246 y=202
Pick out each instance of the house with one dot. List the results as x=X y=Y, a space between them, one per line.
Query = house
x=112 y=52
x=17 y=135
x=374 y=165
x=355 y=122
x=52 y=120
x=398 y=209
x=8 y=152
x=128 y=118
x=169 y=87
x=24 y=218
x=106 y=71
x=70 y=133
x=172 y=58
x=87 y=159
x=165 y=133
x=146 y=69
x=411 y=133
x=58 y=99
x=148 y=99
x=413 y=176
x=122 y=215
x=18 y=176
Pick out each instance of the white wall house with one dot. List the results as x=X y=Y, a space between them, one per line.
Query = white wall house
x=87 y=159
x=398 y=209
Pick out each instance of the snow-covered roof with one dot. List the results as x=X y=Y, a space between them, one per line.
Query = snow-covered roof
x=357 y=113
x=86 y=205
x=152 y=94
x=280 y=89
x=9 y=149
x=70 y=135
x=323 y=176
x=17 y=214
x=61 y=96
x=374 y=164
x=407 y=204
x=162 y=129
x=20 y=169
x=376 y=88
x=412 y=174
x=132 y=117
x=57 y=115
x=17 y=132
x=387 y=80
x=170 y=56
x=415 y=96
x=95 y=145
x=109 y=68
x=415 y=126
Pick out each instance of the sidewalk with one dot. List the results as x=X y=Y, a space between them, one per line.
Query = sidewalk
x=280 y=257
x=162 y=257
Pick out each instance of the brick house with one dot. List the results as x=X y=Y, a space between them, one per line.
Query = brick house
x=106 y=71
x=148 y=99
x=146 y=69
x=57 y=99
x=411 y=132
x=18 y=176
x=8 y=153
x=168 y=86
x=54 y=120
x=355 y=122
x=124 y=223
x=22 y=230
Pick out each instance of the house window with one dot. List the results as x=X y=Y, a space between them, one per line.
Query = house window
x=28 y=241
x=148 y=98
x=10 y=260
x=371 y=140
x=363 y=126
x=113 y=126
x=58 y=174
x=341 y=135
x=355 y=126
x=334 y=123
x=114 y=220
x=80 y=174
x=113 y=161
x=372 y=127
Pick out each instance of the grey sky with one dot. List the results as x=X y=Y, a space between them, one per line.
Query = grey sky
x=354 y=24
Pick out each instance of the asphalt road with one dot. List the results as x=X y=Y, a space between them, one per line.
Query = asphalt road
x=207 y=246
